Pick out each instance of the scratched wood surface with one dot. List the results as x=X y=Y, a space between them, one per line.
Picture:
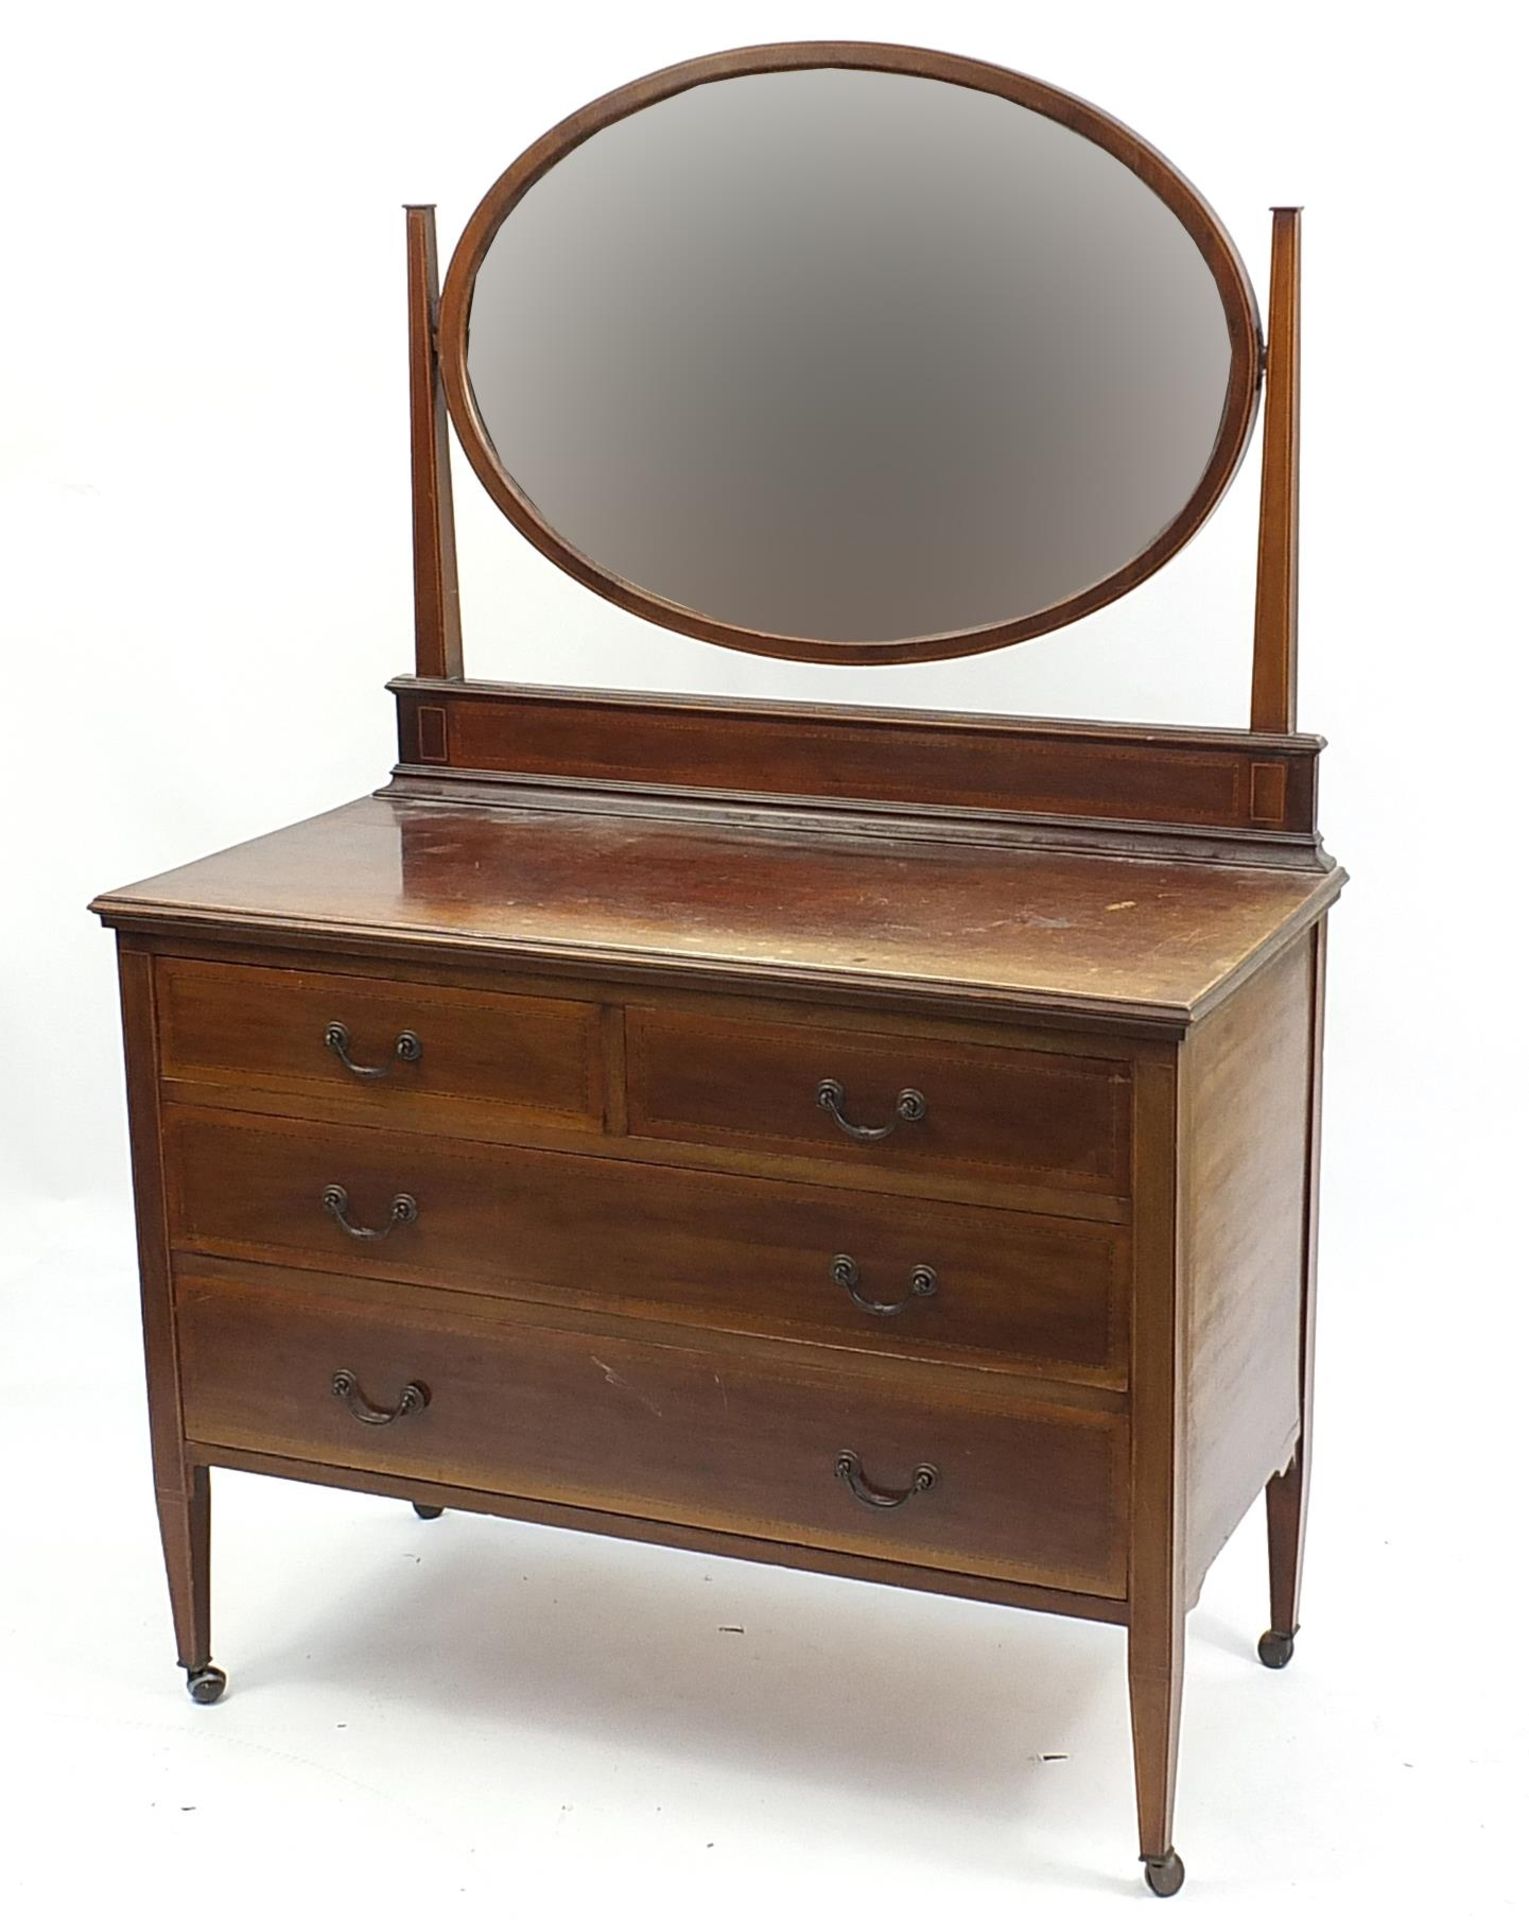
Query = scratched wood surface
x=706 y=901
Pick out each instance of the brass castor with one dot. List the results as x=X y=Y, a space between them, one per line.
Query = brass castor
x=206 y=1684
x=1275 y=1648
x=1165 y=1873
x=428 y=1513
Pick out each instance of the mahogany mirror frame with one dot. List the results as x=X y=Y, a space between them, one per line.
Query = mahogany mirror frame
x=1189 y=207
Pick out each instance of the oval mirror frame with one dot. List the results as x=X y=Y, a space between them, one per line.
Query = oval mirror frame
x=1183 y=200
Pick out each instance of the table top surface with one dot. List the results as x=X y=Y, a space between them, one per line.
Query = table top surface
x=977 y=925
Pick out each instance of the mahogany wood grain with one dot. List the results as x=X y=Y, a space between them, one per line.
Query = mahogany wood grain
x=991 y=1112
x=262 y=1028
x=1288 y=1492
x=756 y=1256
x=634 y=931
x=666 y=1533
x=1274 y=612
x=983 y=765
x=489 y=971
x=740 y=1443
x=1159 y=1453
x=181 y=1493
x=870 y=1365
x=242 y=1087
x=504 y=1126
x=1133 y=944
x=437 y=602
x=1246 y=1093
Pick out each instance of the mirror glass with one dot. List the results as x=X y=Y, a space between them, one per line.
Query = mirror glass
x=849 y=355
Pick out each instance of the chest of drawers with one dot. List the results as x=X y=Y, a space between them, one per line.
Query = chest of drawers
x=917 y=1274
x=875 y=1141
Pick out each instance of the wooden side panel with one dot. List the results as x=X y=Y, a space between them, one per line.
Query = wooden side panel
x=1246 y=1090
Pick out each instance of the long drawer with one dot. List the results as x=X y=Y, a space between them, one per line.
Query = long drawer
x=903 y=1104
x=859 y=1270
x=949 y=1469
x=385 y=1051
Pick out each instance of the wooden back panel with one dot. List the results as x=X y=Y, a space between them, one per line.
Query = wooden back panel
x=1237 y=795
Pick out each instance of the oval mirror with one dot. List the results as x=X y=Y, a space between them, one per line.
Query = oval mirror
x=850 y=353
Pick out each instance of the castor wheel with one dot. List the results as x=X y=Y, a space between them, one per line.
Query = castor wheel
x=206 y=1684
x=1275 y=1648
x=1165 y=1873
x=428 y=1513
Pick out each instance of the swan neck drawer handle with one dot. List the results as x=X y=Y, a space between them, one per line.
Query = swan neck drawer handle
x=345 y=1386
x=847 y=1468
x=402 y=1208
x=922 y=1284
x=407 y=1047
x=911 y=1106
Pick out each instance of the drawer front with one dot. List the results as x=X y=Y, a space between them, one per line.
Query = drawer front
x=934 y=1107
x=265 y=1028
x=744 y=1444
x=893 y=1274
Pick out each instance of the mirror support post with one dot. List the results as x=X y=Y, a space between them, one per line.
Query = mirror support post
x=1274 y=618
x=437 y=612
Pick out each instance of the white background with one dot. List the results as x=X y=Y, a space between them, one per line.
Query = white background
x=203 y=507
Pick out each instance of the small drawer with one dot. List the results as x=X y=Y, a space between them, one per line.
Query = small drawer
x=391 y=1052
x=885 y=1273
x=902 y=1105
x=942 y=1472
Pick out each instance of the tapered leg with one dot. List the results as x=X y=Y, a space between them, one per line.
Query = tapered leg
x=1157 y=1578
x=1285 y=1505
x=185 y=1517
x=185 y=1532
x=1155 y=1663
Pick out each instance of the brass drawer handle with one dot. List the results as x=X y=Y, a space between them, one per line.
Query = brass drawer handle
x=911 y=1106
x=846 y=1273
x=345 y=1386
x=847 y=1469
x=401 y=1210
x=408 y=1046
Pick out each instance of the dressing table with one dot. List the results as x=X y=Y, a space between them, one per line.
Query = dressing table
x=871 y=1141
